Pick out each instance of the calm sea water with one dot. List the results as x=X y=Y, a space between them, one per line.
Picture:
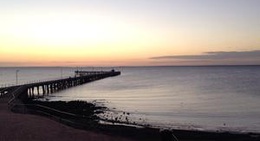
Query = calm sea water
x=199 y=98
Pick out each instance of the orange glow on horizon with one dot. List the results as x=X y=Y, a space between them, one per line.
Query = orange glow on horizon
x=94 y=36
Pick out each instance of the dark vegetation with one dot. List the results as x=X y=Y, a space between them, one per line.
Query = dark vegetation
x=80 y=108
x=79 y=114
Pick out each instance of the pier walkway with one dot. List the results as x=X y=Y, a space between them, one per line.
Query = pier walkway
x=40 y=89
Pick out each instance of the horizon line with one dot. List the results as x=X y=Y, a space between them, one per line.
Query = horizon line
x=128 y=66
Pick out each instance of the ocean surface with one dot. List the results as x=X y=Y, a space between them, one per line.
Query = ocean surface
x=217 y=98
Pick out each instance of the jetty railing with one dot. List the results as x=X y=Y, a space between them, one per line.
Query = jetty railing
x=16 y=105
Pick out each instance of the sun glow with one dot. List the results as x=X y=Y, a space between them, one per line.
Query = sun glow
x=66 y=30
x=78 y=37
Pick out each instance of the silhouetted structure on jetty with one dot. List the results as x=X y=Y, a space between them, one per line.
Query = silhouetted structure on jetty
x=41 y=89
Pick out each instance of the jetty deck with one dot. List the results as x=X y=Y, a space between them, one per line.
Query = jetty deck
x=40 y=89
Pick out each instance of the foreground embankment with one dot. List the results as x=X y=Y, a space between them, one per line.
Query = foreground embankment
x=83 y=115
x=27 y=127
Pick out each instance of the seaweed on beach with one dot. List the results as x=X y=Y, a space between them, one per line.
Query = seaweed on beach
x=79 y=108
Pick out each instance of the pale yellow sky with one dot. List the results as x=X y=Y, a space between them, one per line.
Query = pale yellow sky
x=123 y=33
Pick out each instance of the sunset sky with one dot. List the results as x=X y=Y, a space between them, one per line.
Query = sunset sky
x=129 y=32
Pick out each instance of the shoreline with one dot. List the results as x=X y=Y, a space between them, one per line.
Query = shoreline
x=114 y=120
x=140 y=132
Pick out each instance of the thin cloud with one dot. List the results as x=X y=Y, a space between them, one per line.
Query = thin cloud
x=220 y=55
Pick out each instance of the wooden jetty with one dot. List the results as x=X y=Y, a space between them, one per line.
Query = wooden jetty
x=40 y=89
